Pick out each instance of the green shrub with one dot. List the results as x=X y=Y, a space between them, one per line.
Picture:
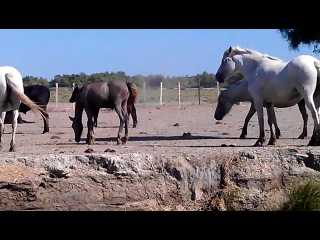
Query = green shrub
x=304 y=197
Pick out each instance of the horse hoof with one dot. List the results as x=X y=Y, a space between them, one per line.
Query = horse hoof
x=313 y=142
x=257 y=144
x=242 y=136
x=12 y=149
x=124 y=140
x=272 y=142
x=89 y=142
x=302 y=137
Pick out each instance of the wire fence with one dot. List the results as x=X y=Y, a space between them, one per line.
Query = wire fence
x=152 y=96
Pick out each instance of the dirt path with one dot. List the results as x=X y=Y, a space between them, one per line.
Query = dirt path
x=155 y=132
x=157 y=164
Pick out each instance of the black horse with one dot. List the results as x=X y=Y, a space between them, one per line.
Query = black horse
x=40 y=95
x=131 y=109
x=113 y=94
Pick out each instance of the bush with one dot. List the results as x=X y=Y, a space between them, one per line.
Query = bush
x=304 y=197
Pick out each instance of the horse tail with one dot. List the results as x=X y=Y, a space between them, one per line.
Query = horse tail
x=317 y=65
x=133 y=90
x=20 y=94
x=316 y=93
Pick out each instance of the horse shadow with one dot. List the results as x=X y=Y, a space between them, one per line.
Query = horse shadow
x=155 y=138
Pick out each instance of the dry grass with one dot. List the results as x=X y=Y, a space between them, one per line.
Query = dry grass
x=153 y=95
x=14 y=173
x=172 y=206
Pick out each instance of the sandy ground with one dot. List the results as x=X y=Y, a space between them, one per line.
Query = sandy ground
x=155 y=133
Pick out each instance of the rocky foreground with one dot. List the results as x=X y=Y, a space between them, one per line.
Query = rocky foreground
x=231 y=179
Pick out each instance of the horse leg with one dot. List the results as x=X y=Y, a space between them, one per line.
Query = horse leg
x=124 y=109
x=95 y=118
x=119 y=111
x=45 y=118
x=134 y=116
x=126 y=123
x=4 y=125
x=315 y=138
x=271 y=119
x=15 y=114
x=90 y=135
x=278 y=132
x=129 y=111
x=303 y=111
x=3 y=115
x=258 y=103
x=251 y=112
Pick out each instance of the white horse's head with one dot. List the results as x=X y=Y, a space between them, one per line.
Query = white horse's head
x=227 y=66
x=231 y=63
x=227 y=98
x=224 y=106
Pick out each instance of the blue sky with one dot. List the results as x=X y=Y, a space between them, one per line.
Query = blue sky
x=170 y=52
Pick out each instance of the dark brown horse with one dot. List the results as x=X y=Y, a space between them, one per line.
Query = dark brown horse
x=114 y=94
x=131 y=109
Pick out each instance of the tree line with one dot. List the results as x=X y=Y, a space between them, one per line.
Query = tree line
x=205 y=80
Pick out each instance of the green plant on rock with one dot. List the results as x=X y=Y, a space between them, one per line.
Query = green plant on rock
x=229 y=197
x=304 y=197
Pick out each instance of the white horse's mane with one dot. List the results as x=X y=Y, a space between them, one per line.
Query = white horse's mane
x=238 y=51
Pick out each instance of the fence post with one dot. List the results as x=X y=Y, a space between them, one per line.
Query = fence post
x=199 y=92
x=179 y=93
x=144 y=92
x=57 y=95
x=160 y=93
x=73 y=85
x=218 y=88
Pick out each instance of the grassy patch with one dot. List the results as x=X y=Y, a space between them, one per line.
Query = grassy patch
x=221 y=201
x=64 y=95
x=188 y=95
x=304 y=197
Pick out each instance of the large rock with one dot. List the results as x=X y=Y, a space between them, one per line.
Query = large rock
x=256 y=179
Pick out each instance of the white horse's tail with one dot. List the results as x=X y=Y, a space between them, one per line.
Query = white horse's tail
x=23 y=98
x=317 y=64
x=316 y=95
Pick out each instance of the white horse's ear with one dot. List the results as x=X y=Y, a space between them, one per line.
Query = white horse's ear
x=71 y=118
x=230 y=49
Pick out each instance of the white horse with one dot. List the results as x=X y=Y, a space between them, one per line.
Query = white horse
x=271 y=80
x=238 y=92
x=11 y=95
